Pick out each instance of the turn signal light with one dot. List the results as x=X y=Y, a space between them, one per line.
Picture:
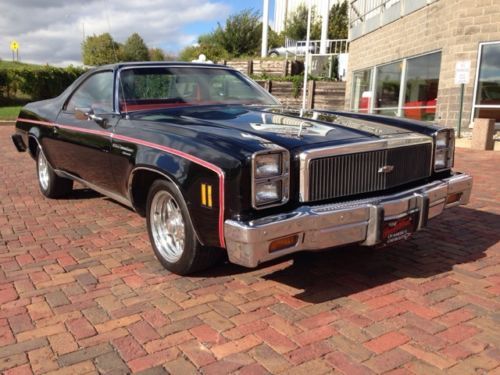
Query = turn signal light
x=283 y=243
x=452 y=198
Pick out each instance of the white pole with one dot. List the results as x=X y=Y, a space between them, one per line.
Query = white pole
x=306 y=63
x=324 y=26
x=265 y=26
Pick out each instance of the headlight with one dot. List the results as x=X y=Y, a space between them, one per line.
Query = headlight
x=268 y=193
x=444 y=149
x=267 y=165
x=270 y=181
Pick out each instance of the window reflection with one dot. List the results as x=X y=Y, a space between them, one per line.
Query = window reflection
x=488 y=88
x=361 y=91
x=422 y=79
x=387 y=88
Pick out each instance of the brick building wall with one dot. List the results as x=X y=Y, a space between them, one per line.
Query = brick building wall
x=454 y=27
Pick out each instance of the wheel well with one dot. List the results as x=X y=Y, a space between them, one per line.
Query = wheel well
x=141 y=182
x=32 y=147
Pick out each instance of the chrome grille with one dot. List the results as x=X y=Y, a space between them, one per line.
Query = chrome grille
x=358 y=173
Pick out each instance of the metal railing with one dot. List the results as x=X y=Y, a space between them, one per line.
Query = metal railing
x=334 y=46
x=361 y=10
x=368 y=15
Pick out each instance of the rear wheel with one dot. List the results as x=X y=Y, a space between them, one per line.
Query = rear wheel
x=171 y=233
x=51 y=185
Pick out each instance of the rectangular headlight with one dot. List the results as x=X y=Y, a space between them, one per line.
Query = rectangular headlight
x=270 y=182
x=444 y=149
x=268 y=192
x=267 y=165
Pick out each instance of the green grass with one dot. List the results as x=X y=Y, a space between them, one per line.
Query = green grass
x=9 y=113
x=14 y=64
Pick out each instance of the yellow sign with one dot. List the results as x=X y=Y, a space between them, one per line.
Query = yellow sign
x=14 y=46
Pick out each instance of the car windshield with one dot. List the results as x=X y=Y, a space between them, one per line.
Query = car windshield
x=143 y=88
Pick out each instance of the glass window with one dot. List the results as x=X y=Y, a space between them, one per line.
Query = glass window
x=361 y=94
x=165 y=87
x=422 y=79
x=387 y=88
x=488 y=86
x=95 y=93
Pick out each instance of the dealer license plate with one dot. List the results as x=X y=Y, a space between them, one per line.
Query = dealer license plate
x=400 y=229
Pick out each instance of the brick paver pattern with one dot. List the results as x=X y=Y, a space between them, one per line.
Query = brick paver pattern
x=81 y=292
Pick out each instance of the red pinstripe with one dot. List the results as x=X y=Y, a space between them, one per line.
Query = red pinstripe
x=194 y=159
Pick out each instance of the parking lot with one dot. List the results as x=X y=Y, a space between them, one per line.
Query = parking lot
x=81 y=292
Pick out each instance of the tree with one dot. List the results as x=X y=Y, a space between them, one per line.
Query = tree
x=241 y=35
x=338 y=21
x=213 y=52
x=100 y=50
x=296 y=24
x=156 y=54
x=135 y=49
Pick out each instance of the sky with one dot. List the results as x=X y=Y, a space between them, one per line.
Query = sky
x=51 y=31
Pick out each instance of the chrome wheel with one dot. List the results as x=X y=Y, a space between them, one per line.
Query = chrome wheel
x=43 y=171
x=167 y=226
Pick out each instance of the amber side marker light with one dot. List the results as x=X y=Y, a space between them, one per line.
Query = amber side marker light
x=452 y=198
x=283 y=243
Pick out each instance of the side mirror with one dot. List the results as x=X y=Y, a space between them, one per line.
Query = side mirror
x=88 y=114
x=83 y=113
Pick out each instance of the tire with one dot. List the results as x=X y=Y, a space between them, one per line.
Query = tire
x=273 y=54
x=172 y=234
x=51 y=185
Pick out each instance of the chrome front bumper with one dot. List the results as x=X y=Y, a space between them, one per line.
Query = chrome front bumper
x=326 y=226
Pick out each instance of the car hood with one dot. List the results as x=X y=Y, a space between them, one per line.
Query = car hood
x=280 y=126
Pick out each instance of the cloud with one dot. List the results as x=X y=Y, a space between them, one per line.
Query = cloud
x=51 y=31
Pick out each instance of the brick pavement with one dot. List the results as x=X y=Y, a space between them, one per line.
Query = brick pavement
x=81 y=292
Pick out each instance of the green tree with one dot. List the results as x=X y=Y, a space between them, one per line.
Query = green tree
x=213 y=52
x=296 y=24
x=100 y=50
x=338 y=21
x=156 y=54
x=241 y=35
x=135 y=49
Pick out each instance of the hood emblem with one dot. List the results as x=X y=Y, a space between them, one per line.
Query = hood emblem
x=386 y=169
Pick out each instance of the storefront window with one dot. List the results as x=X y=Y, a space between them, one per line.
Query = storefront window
x=422 y=79
x=387 y=86
x=361 y=93
x=488 y=85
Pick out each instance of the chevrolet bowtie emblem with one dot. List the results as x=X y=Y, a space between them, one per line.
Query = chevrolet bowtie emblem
x=386 y=169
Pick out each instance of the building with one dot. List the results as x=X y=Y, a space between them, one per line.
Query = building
x=404 y=53
x=282 y=8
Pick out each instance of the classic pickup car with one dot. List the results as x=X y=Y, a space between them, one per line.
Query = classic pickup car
x=216 y=164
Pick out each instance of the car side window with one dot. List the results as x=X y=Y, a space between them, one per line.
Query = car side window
x=95 y=93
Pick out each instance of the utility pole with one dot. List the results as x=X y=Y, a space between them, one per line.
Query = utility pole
x=265 y=27
x=306 y=62
x=324 y=26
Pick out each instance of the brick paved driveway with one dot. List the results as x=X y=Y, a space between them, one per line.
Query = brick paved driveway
x=81 y=292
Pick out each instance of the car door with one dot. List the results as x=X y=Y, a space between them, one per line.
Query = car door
x=82 y=144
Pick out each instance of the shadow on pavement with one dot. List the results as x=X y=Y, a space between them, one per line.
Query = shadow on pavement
x=460 y=236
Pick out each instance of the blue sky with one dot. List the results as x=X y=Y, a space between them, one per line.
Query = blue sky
x=52 y=31
x=235 y=6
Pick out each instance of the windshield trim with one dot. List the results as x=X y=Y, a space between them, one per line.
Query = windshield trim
x=208 y=66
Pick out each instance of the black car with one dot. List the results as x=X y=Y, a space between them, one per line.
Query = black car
x=216 y=164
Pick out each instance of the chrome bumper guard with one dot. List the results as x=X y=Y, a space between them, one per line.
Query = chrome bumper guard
x=330 y=225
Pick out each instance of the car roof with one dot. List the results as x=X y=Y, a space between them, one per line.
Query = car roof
x=160 y=63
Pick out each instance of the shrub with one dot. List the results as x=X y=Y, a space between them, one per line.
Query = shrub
x=43 y=83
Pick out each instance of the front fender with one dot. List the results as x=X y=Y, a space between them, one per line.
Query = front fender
x=201 y=183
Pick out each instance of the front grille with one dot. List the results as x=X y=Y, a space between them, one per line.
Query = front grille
x=344 y=175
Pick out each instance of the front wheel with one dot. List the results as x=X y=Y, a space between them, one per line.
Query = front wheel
x=51 y=185
x=171 y=233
